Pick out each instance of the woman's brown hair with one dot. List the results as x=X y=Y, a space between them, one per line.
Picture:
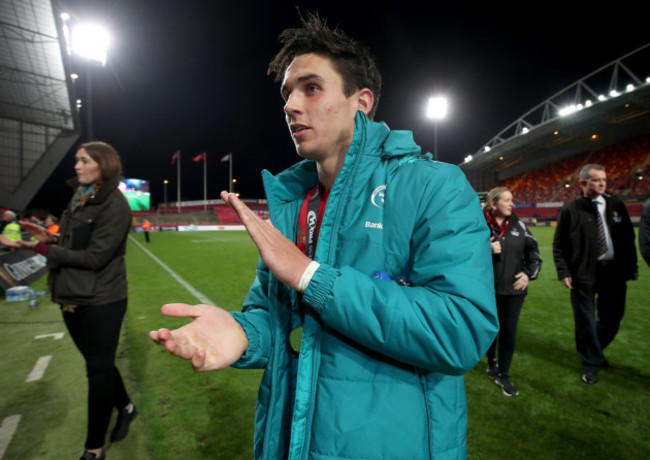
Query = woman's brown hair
x=106 y=157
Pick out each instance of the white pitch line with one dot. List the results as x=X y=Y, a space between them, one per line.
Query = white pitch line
x=39 y=368
x=7 y=431
x=203 y=299
x=55 y=336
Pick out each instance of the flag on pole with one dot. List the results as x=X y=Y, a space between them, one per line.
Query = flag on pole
x=225 y=158
x=175 y=157
x=199 y=157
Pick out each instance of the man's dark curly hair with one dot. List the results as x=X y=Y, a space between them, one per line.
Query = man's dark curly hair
x=352 y=60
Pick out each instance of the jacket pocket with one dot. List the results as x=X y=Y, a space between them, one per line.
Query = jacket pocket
x=80 y=238
x=75 y=282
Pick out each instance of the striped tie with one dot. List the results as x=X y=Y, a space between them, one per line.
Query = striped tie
x=602 y=240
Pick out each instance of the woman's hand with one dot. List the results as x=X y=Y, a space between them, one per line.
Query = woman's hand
x=41 y=234
x=26 y=244
x=7 y=242
x=496 y=246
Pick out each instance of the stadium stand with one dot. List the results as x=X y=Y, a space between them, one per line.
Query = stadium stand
x=39 y=121
x=602 y=118
x=627 y=165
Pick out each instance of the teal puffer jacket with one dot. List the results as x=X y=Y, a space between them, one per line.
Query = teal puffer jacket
x=379 y=374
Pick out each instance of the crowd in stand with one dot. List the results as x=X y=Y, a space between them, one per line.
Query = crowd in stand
x=627 y=165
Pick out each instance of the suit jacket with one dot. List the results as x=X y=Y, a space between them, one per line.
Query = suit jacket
x=575 y=243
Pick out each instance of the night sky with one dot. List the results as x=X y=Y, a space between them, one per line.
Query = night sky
x=190 y=75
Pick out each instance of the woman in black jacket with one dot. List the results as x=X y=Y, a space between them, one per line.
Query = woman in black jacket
x=87 y=277
x=516 y=261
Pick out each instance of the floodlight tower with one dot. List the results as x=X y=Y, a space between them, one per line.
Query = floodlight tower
x=165 y=182
x=90 y=42
x=436 y=111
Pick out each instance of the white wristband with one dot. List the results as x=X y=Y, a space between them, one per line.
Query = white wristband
x=307 y=275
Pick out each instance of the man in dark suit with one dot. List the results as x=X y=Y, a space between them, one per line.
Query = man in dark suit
x=595 y=256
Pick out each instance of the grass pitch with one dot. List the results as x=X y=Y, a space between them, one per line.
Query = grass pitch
x=185 y=415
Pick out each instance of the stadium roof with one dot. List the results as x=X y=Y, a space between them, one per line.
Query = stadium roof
x=610 y=105
x=38 y=116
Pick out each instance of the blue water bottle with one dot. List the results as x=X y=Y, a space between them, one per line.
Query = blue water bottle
x=380 y=276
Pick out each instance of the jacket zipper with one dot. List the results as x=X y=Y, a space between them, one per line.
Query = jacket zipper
x=426 y=408
x=312 y=396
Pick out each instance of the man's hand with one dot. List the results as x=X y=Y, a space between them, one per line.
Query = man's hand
x=213 y=340
x=280 y=254
x=41 y=234
x=521 y=281
x=496 y=246
x=567 y=282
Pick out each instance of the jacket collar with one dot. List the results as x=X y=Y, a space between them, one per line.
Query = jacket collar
x=103 y=192
x=588 y=203
x=370 y=139
x=605 y=196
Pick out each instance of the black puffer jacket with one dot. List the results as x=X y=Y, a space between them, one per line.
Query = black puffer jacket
x=575 y=240
x=519 y=253
x=87 y=265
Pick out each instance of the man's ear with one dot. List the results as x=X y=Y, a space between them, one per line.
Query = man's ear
x=366 y=100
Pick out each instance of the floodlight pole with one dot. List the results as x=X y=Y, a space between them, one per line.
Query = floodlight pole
x=436 y=110
x=205 y=181
x=435 y=140
x=165 y=182
x=178 y=183
x=89 y=97
x=89 y=42
x=230 y=187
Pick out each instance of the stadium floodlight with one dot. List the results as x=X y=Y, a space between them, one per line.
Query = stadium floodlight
x=91 y=42
x=568 y=110
x=436 y=110
x=468 y=158
x=613 y=93
x=629 y=87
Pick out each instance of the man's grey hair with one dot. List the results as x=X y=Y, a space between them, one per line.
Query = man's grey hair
x=584 y=172
x=10 y=214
